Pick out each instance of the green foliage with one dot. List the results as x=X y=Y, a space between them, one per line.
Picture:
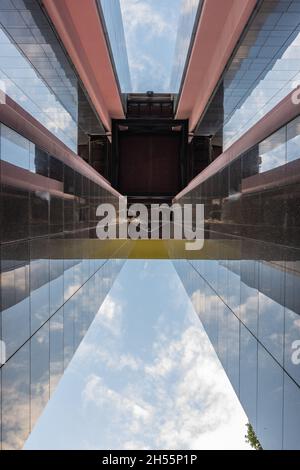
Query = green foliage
x=251 y=438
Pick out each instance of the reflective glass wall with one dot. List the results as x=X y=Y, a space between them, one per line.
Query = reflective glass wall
x=250 y=311
x=262 y=72
x=36 y=73
x=247 y=292
x=113 y=21
x=53 y=280
x=188 y=13
x=40 y=343
x=257 y=194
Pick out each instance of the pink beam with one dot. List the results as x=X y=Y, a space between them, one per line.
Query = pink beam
x=79 y=27
x=15 y=117
x=284 y=112
x=220 y=27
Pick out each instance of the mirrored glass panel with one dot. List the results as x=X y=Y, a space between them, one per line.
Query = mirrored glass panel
x=291 y=423
x=51 y=284
x=263 y=71
x=248 y=374
x=16 y=399
x=39 y=373
x=269 y=401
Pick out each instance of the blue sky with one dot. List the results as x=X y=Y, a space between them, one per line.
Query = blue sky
x=150 y=31
x=145 y=376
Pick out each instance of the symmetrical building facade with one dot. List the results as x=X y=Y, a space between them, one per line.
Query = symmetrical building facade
x=73 y=135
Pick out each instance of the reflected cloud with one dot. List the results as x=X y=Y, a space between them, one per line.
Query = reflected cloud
x=186 y=404
x=150 y=31
x=145 y=376
x=110 y=316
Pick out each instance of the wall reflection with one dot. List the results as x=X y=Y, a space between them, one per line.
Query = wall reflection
x=257 y=194
x=250 y=311
x=263 y=71
x=34 y=70
x=52 y=280
x=40 y=345
x=247 y=292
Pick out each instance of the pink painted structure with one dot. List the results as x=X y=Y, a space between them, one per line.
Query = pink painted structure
x=78 y=24
x=15 y=117
x=284 y=112
x=220 y=27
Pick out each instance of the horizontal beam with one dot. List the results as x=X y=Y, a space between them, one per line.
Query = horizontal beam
x=15 y=117
x=280 y=115
x=79 y=27
x=221 y=24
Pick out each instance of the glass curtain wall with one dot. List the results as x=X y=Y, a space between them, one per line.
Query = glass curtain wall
x=52 y=280
x=36 y=73
x=247 y=297
x=263 y=71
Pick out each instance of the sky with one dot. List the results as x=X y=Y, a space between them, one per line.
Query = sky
x=144 y=377
x=150 y=28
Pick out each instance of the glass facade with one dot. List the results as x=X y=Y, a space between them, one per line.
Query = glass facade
x=41 y=195
x=112 y=14
x=52 y=282
x=36 y=73
x=186 y=24
x=262 y=377
x=262 y=72
x=256 y=195
x=247 y=297
x=37 y=359
x=55 y=275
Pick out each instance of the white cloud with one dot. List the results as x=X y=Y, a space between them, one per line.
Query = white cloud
x=142 y=14
x=133 y=445
x=180 y=399
x=146 y=22
x=189 y=6
x=163 y=391
x=108 y=358
x=100 y=394
x=198 y=402
x=110 y=316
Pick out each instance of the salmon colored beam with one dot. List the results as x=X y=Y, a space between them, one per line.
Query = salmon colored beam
x=80 y=29
x=220 y=27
